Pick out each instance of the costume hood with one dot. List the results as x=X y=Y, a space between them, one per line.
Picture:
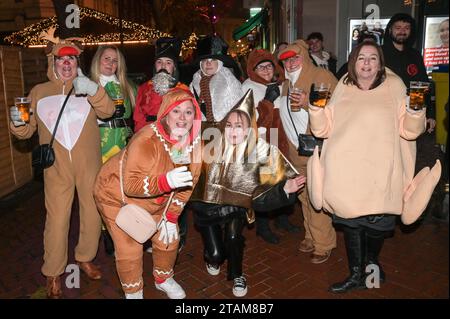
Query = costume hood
x=57 y=47
x=387 y=40
x=170 y=100
x=258 y=56
x=299 y=47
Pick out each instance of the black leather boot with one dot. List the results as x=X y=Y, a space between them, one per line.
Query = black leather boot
x=234 y=246
x=282 y=222
x=263 y=230
x=108 y=242
x=183 y=227
x=374 y=243
x=355 y=247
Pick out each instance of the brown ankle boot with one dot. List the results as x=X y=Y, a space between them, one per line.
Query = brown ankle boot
x=54 y=287
x=91 y=270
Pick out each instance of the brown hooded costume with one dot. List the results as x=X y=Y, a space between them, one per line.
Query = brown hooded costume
x=146 y=160
x=318 y=225
x=78 y=159
x=268 y=112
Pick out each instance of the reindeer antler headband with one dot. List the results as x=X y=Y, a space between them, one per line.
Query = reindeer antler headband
x=62 y=47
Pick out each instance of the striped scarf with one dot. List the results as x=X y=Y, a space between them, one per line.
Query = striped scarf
x=205 y=96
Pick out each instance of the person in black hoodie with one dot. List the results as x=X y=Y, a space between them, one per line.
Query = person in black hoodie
x=402 y=58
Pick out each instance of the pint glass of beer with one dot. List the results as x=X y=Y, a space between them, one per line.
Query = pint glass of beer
x=417 y=93
x=23 y=105
x=295 y=107
x=321 y=94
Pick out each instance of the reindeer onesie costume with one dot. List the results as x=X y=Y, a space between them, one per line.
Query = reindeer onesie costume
x=78 y=159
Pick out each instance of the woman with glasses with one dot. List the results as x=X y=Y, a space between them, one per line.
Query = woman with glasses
x=265 y=77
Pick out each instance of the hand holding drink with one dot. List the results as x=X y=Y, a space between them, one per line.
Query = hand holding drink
x=120 y=108
x=320 y=94
x=417 y=94
x=20 y=112
x=296 y=97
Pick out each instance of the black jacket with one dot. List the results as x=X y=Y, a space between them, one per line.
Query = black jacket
x=207 y=214
x=407 y=64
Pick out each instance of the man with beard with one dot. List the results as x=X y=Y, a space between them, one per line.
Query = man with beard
x=402 y=58
x=166 y=76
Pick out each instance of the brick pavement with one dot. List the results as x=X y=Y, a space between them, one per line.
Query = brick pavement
x=415 y=260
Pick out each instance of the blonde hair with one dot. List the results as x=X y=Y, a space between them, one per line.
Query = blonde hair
x=121 y=72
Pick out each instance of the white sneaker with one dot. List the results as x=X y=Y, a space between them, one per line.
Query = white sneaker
x=171 y=288
x=136 y=295
x=213 y=270
x=240 y=286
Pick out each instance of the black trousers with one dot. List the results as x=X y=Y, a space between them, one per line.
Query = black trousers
x=225 y=241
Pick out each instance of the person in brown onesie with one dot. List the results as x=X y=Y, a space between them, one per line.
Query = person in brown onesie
x=161 y=158
x=78 y=158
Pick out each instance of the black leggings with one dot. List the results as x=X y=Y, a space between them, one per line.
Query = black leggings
x=219 y=246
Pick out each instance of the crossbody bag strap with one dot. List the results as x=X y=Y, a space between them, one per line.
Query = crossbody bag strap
x=123 y=194
x=121 y=178
x=59 y=117
x=289 y=111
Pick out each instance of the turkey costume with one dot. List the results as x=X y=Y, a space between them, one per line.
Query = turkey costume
x=146 y=160
x=367 y=163
x=78 y=160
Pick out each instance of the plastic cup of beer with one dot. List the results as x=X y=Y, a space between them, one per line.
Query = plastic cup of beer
x=295 y=107
x=118 y=101
x=417 y=94
x=23 y=105
x=321 y=94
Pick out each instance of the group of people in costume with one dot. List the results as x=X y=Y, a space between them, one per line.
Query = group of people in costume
x=156 y=149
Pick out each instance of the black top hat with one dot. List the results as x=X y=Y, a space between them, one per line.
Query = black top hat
x=168 y=48
x=214 y=47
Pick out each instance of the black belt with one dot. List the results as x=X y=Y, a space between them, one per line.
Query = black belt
x=116 y=123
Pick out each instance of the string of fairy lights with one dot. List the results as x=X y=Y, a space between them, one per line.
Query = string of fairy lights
x=135 y=32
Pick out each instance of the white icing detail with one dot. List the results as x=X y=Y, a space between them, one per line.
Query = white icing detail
x=177 y=202
x=161 y=272
x=146 y=184
x=133 y=285
x=166 y=147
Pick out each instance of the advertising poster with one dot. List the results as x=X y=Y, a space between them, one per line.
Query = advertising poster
x=360 y=26
x=435 y=41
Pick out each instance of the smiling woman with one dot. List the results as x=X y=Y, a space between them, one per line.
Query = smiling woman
x=66 y=67
x=366 y=66
x=179 y=120
x=365 y=173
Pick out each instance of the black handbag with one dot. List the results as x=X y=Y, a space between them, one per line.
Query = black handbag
x=306 y=142
x=43 y=156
